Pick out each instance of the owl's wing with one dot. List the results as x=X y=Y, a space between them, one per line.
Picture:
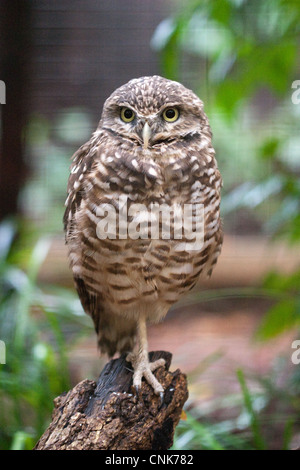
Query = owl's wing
x=81 y=163
x=114 y=333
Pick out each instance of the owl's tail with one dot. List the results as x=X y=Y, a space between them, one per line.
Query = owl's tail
x=115 y=334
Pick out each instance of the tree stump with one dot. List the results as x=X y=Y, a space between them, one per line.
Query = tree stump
x=108 y=415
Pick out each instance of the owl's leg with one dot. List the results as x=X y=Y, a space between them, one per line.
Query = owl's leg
x=140 y=361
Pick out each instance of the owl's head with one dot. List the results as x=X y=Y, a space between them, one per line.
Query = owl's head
x=152 y=110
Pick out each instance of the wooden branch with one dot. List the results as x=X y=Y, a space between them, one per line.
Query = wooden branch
x=108 y=415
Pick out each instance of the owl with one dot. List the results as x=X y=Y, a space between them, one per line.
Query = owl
x=150 y=157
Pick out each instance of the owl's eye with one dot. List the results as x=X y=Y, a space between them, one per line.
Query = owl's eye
x=171 y=114
x=127 y=115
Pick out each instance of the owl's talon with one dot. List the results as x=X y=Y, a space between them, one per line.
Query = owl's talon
x=161 y=397
x=143 y=368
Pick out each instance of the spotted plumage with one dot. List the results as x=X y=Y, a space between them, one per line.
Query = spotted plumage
x=152 y=147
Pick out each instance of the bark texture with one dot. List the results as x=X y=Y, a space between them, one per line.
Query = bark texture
x=108 y=415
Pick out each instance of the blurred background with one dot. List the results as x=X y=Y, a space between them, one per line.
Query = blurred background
x=233 y=335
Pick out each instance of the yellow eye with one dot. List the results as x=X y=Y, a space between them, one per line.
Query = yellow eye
x=127 y=115
x=171 y=114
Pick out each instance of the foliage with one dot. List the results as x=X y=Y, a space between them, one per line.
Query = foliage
x=50 y=145
x=32 y=324
x=244 y=44
x=241 y=421
x=285 y=314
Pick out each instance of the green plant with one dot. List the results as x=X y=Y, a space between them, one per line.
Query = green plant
x=284 y=314
x=32 y=322
x=262 y=419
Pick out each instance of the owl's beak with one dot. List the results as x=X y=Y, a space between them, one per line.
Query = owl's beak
x=146 y=134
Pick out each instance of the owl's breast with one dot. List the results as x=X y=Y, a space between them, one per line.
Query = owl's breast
x=132 y=248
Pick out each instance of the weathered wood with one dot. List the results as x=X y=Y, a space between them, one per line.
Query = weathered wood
x=108 y=415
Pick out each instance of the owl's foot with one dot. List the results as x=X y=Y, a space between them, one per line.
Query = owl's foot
x=143 y=368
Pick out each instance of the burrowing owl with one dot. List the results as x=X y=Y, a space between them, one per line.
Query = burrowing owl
x=151 y=150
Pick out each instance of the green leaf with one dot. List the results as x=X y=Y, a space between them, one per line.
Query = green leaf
x=22 y=441
x=281 y=317
x=257 y=436
x=269 y=148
